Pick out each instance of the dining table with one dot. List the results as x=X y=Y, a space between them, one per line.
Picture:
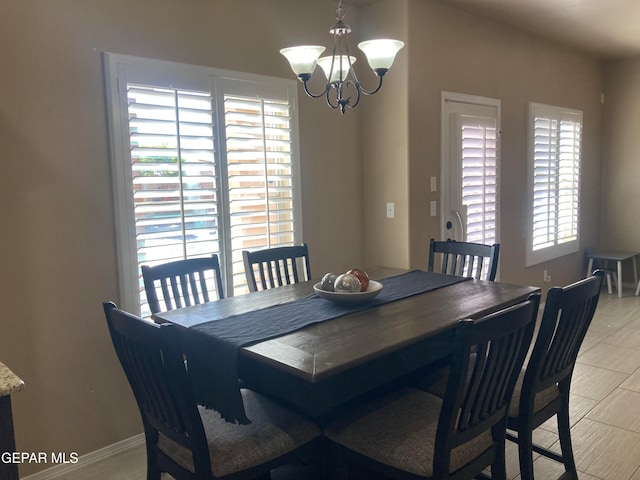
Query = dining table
x=330 y=363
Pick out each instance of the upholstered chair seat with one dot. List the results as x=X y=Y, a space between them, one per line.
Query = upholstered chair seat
x=543 y=398
x=274 y=431
x=389 y=432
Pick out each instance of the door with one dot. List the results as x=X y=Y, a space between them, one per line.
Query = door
x=470 y=161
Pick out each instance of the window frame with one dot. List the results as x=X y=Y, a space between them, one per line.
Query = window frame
x=121 y=70
x=558 y=249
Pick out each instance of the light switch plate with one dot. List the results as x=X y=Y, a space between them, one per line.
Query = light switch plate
x=434 y=184
x=433 y=206
x=390 y=210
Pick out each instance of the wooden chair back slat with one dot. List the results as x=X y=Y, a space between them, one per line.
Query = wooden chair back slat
x=182 y=283
x=465 y=259
x=275 y=267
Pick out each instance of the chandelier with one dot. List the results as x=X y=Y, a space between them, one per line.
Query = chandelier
x=342 y=89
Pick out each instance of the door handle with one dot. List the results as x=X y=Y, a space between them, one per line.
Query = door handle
x=460 y=222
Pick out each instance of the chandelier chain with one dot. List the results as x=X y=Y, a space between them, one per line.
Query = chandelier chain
x=340 y=12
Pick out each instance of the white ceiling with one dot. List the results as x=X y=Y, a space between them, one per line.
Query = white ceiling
x=606 y=28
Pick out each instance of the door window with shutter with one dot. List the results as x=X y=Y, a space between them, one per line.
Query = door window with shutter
x=555 y=142
x=204 y=161
x=470 y=154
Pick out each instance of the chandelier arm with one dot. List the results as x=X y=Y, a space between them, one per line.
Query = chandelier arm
x=337 y=48
x=358 y=90
x=328 y=96
x=325 y=91
x=370 y=92
x=352 y=71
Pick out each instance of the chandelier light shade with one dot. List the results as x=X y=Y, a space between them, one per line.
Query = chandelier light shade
x=342 y=89
x=381 y=53
x=303 y=58
x=336 y=68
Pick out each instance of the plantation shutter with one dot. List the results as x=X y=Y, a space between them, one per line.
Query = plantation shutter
x=545 y=175
x=569 y=176
x=260 y=177
x=555 y=182
x=173 y=175
x=479 y=177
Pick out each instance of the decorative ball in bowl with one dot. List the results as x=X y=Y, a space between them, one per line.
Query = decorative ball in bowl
x=349 y=288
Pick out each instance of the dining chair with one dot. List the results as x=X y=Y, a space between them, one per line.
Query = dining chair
x=182 y=283
x=188 y=441
x=543 y=386
x=413 y=434
x=465 y=259
x=275 y=267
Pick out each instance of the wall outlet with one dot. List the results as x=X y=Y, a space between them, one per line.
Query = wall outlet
x=546 y=277
x=433 y=207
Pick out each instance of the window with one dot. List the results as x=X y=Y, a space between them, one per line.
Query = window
x=555 y=136
x=204 y=161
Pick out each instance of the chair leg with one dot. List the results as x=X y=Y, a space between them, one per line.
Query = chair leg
x=498 y=467
x=151 y=442
x=564 y=432
x=323 y=460
x=153 y=473
x=337 y=467
x=525 y=453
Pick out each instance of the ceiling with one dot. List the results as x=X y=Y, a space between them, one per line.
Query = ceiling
x=609 y=29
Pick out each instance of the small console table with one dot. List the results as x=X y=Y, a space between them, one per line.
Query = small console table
x=614 y=256
x=9 y=383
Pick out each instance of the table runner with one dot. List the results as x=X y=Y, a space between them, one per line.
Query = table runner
x=212 y=347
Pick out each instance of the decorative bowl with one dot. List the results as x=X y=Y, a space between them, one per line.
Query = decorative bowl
x=350 y=298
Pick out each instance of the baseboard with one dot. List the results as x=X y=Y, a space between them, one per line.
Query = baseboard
x=59 y=471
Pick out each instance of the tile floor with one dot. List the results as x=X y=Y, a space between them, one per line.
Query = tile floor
x=605 y=408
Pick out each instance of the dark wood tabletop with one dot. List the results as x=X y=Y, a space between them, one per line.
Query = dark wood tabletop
x=324 y=365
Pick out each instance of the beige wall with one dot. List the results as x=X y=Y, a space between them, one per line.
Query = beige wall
x=456 y=52
x=385 y=140
x=621 y=164
x=57 y=234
